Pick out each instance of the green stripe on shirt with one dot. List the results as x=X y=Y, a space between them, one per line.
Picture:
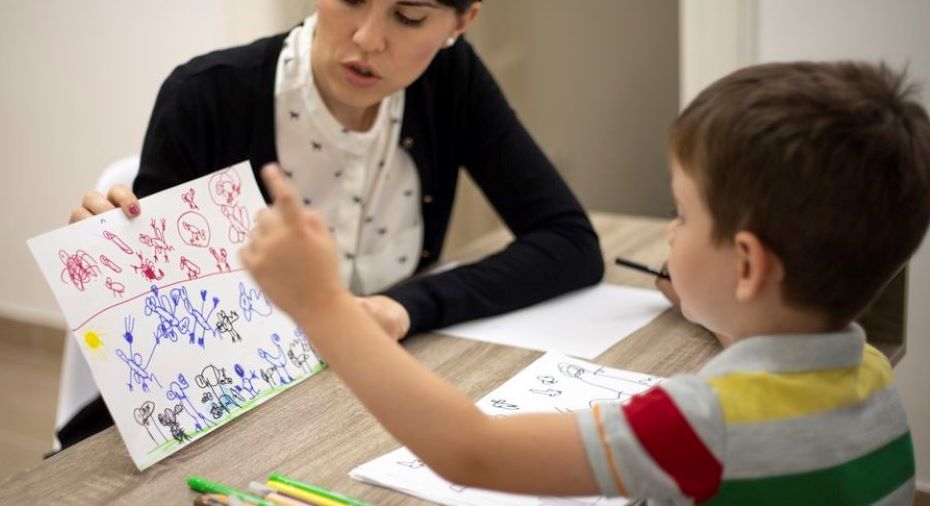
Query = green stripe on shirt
x=864 y=480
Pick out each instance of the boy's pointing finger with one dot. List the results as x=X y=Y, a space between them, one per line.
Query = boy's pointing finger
x=282 y=193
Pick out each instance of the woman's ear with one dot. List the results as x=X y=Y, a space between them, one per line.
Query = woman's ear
x=464 y=20
x=758 y=267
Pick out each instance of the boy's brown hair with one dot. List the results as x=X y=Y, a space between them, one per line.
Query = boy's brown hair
x=827 y=163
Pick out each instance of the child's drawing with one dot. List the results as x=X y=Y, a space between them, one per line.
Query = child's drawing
x=253 y=301
x=601 y=377
x=224 y=325
x=110 y=264
x=156 y=241
x=194 y=229
x=178 y=340
x=190 y=268
x=147 y=269
x=79 y=267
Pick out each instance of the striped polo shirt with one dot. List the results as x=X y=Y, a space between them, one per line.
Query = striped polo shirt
x=789 y=419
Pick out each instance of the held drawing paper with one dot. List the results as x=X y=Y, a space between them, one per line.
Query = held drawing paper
x=177 y=335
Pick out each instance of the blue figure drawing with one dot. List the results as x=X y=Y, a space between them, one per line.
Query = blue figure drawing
x=164 y=307
x=245 y=382
x=278 y=361
x=176 y=392
x=138 y=367
x=201 y=319
x=253 y=301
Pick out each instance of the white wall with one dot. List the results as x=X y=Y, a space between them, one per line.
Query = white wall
x=79 y=81
x=743 y=31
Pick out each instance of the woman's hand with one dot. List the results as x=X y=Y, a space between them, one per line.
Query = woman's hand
x=291 y=253
x=95 y=203
x=390 y=315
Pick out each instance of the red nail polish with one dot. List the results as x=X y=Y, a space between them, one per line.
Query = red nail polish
x=134 y=210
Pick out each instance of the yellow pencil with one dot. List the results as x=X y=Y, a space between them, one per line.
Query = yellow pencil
x=303 y=494
x=283 y=500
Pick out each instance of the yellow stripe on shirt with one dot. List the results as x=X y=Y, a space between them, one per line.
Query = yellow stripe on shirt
x=765 y=396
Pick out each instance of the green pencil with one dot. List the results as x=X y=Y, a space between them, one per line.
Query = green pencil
x=316 y=490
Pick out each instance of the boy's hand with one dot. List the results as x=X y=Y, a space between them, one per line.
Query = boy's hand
x=664 y=285
x=291 y=253
x=390 y=315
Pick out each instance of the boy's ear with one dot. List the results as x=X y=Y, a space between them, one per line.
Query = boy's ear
x=757 y=266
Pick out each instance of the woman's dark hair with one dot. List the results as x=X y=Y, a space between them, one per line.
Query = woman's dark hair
x=460 y=6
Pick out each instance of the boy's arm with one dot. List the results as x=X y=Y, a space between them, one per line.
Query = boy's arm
x=538 y=453
x=542 y=454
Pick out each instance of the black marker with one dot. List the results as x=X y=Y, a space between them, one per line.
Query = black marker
x=661 y=273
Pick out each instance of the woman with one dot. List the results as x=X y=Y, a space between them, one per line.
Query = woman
x=371 y=107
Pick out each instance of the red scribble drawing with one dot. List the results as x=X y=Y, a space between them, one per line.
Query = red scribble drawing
x=188 y=198
x=79 y=267
x=110 y=264
x=238 y=217
x=222 y=264
x=193 y=270
x=157 y=241
x=225 y=187
x=147 y=268
x=117 y=287
x=110 y=236
x=194 y=229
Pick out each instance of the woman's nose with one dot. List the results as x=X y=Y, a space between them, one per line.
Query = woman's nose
x=370 y=36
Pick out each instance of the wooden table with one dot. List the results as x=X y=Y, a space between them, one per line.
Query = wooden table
x=317 y=431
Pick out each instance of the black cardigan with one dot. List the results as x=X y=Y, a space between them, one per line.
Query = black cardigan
x=218 y=110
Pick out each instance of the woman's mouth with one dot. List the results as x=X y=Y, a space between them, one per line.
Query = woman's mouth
x=360 y=75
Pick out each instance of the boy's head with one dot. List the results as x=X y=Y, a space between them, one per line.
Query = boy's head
x=827 y=165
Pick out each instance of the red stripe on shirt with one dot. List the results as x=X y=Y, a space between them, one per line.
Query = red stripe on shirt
x=669 y=439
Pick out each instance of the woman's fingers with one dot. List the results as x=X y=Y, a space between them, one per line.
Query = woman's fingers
x=78 y=214
x=123 y=197
x=94 y=203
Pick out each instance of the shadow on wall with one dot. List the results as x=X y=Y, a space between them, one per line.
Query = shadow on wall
x=596 y=86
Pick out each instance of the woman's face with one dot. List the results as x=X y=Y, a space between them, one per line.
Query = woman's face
x=365 y=50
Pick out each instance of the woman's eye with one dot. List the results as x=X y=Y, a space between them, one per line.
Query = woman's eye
x=353 y=2
x=407 y=20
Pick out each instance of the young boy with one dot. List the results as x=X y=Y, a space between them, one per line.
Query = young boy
x=801 y=190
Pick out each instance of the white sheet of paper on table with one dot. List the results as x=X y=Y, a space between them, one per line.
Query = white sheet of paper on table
x=583 y=323
x=553 y=383
x=177 y=335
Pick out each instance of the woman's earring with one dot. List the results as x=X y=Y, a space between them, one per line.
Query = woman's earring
x=450 y=41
